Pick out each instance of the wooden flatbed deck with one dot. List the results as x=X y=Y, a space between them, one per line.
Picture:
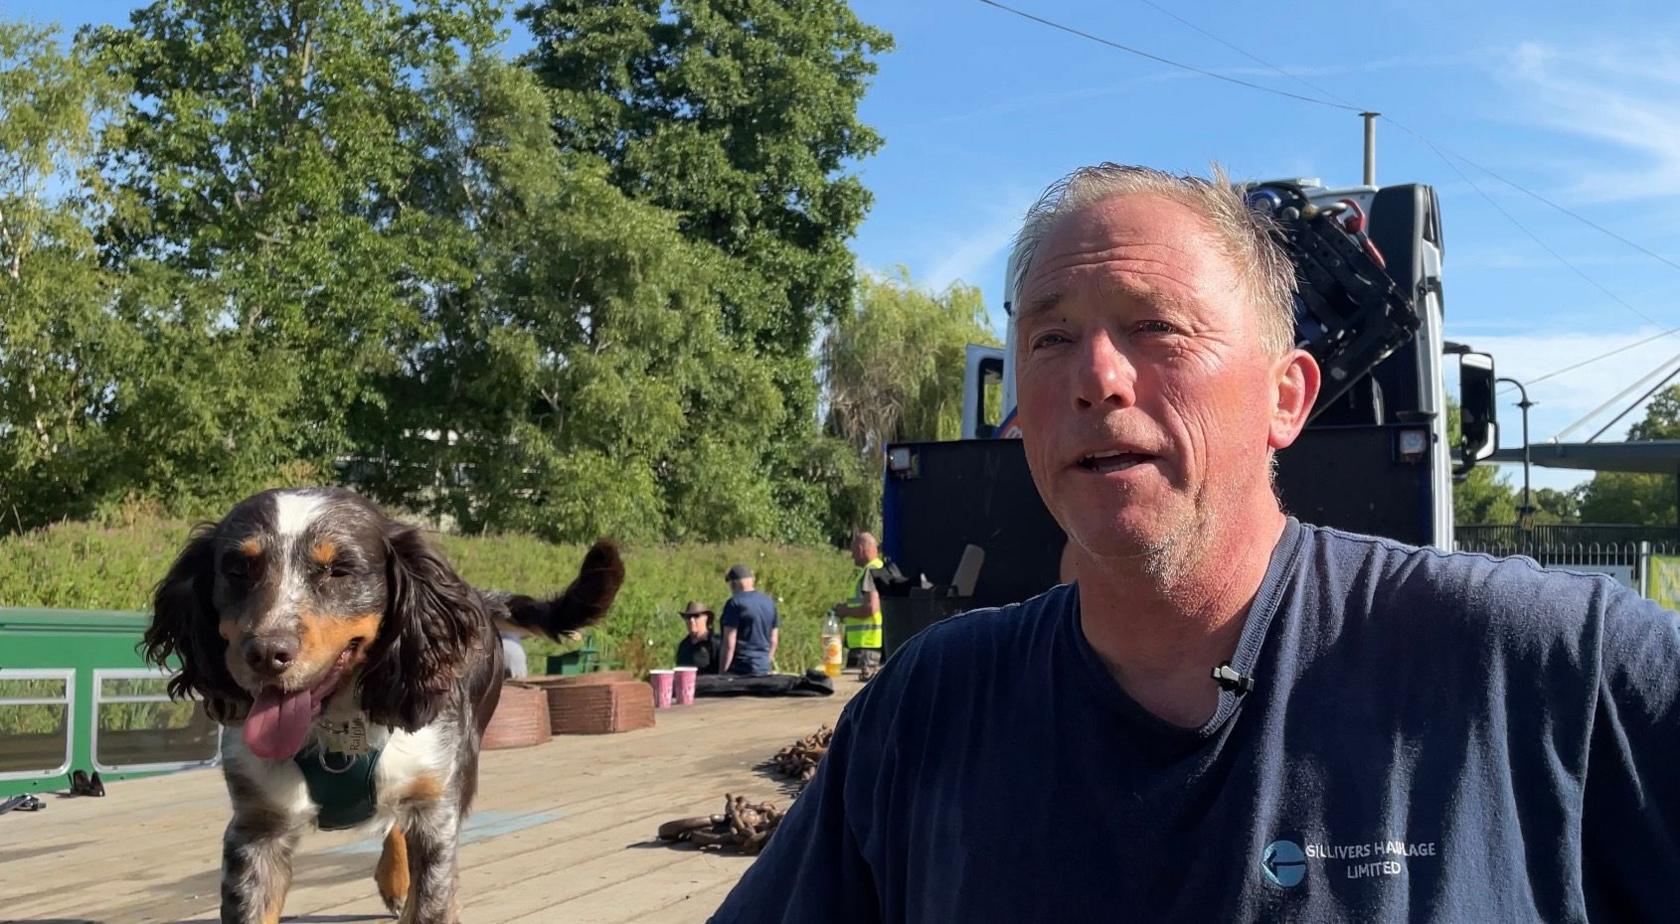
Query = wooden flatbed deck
x=562 y=831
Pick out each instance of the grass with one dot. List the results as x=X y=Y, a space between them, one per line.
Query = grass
x=114 y=566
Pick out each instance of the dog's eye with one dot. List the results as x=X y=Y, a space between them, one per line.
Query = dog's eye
x=334 y=570
x=236 y=568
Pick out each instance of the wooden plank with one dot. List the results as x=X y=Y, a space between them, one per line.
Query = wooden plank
x=694 y=906
x=652 y=894
x=562 y=831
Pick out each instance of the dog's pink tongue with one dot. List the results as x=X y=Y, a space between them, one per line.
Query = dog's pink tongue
x=278 y=723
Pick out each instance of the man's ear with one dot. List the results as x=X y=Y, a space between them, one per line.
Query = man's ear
x=1295 y=379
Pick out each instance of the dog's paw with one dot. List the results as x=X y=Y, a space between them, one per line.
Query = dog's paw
x=394 y=901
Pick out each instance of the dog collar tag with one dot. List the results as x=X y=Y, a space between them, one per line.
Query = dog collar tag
x=349 y=737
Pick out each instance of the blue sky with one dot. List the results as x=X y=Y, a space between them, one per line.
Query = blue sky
x=981 y=109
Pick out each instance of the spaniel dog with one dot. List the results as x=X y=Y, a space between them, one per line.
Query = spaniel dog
x=361 y=672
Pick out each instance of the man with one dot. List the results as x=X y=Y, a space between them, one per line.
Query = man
x=1398 y=734
x=701 y=648
x=750 y=626
x=861 y=613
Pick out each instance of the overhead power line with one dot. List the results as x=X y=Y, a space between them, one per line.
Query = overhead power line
x=1252 y=57
x=1168 y=61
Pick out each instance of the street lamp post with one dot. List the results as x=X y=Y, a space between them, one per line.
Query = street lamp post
x=1525 y=513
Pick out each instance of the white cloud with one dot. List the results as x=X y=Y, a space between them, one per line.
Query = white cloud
x=971 y=247
x=1622 y=96
x=966 y=254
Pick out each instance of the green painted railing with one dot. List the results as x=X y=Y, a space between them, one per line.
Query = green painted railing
x=76 y=695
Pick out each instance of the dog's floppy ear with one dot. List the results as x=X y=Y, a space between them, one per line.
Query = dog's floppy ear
x=433 y=620
x=184 y=628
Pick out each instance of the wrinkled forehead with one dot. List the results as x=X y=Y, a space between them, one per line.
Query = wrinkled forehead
x=1137 y=244
x=319 y=524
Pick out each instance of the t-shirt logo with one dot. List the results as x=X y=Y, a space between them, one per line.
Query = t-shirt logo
x=1284 y=863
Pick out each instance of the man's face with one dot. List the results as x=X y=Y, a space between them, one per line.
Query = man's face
x=1148 y=403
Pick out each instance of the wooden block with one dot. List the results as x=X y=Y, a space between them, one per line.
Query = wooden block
x=521 y=718
x=600 y=708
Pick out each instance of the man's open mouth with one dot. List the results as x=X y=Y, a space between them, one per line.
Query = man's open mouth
x=1112 y=461
x=279 y=721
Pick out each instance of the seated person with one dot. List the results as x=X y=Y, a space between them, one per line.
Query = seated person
x=514 y=663
x=701 y=648
x=750 y=631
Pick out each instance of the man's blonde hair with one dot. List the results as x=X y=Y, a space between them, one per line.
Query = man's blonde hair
x=1247 y=235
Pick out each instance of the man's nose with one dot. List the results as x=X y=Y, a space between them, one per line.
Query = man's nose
x=1105 y=374
x=270 y=655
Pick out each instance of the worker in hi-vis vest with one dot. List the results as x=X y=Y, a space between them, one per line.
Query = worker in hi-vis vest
x=861 y=613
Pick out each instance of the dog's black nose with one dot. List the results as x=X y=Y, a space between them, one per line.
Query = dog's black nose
x=270 y=655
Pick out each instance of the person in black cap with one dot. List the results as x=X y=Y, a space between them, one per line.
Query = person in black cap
x=701 y=647
x=750 y=626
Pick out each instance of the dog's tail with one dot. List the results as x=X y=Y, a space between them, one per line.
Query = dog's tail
x=583 y=603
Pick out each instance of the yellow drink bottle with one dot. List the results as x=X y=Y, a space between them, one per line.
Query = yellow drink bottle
x=834 y=652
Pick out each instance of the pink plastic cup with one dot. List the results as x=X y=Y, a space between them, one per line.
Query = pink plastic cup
x=685 y=685
x=662 y=683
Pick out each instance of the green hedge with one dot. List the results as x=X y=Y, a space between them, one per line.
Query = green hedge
x=91 y=566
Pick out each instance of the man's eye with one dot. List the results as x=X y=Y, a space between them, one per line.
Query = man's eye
x=1155 y=327
x=1048 y=339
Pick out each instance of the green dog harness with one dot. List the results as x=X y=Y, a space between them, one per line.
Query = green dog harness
x=341 y=784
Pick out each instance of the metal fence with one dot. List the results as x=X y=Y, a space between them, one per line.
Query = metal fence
x=1621 y=551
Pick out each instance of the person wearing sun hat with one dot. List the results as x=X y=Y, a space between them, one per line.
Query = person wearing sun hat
x=701 y=648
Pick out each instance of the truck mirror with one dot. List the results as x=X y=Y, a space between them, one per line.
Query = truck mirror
x=982 y=379
x=1478 y=427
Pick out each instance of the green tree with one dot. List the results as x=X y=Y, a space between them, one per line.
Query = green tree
x=576 y=378
x=892 y=365
x=1484 y=496
x=1662 y=417
x=1629 y=497
x=739 y=120
x=346 y=238
x=892 y=370
x=61 y=346
x=1555 y=506
x=1633 y=497
x=270 y=171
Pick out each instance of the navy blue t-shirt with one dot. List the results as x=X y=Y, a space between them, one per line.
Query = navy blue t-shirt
x=752 y=614
x=1429 y=737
